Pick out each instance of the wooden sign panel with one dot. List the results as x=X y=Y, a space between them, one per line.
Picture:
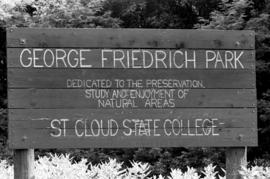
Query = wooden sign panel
x=82 y=88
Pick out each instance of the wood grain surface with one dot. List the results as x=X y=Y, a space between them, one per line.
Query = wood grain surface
x=58 y=105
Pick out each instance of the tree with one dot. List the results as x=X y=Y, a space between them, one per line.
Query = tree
x=230 y=16
x=58 y=13
x=244 y=15
x=153 y=13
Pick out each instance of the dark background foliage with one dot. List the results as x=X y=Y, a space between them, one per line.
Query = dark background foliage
x=178 y=14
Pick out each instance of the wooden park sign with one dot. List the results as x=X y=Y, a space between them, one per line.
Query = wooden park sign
x=82 y=88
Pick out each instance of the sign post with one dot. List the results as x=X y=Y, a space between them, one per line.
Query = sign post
x=111 y=88
x=24 y=164
x=235 y=159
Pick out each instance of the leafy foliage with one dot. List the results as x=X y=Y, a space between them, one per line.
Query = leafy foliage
x=240 y=15
x=62 y=167
x=69 y=13
x=161 y=160
x=255 y=172
x=58 y=13
x=6 y=170
x=231 y=16
x=153 y=13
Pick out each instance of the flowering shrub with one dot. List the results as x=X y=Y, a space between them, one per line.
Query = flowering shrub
x=6 y=171
x=62 y=167
x=255 y=172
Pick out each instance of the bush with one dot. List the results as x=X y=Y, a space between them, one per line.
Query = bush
x=63 y=167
